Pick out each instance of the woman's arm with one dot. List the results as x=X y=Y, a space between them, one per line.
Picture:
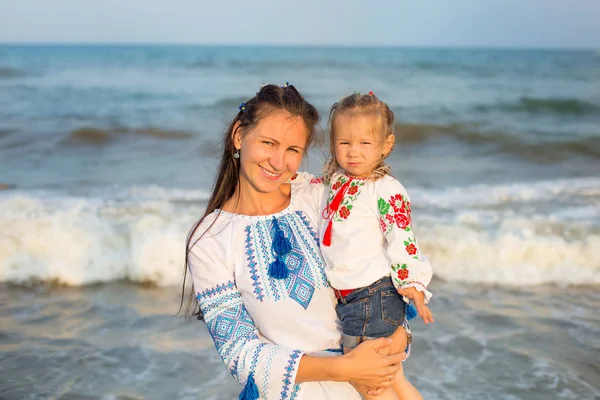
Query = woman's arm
x=267 y=368
x=363 y=366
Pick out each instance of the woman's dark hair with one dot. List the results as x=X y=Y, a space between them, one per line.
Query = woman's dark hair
x=271 y=99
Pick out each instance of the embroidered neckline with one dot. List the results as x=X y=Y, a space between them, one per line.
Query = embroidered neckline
x=368 y=178
x=286 y=210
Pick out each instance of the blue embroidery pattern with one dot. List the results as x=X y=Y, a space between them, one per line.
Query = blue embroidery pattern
x=252 y=266
x=216 y=290
x=295 y=391
x=287 y=378
x=312 y=248
x=269 y=359
x=304 y=219
x=303 y=261
x=227 y=321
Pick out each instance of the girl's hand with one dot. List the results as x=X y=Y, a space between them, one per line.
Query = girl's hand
x=368 y=368
x=419 y=299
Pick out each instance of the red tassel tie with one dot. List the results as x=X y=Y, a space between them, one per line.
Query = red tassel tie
x=331 y=209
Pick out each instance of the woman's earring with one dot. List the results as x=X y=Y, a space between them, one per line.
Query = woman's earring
x=236 y=154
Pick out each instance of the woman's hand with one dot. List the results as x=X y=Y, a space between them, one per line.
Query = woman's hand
x=399 y=344
x=419 y=299
x=367 y=365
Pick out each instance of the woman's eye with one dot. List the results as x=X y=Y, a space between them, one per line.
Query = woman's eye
x=268 y=143
x=294 y=150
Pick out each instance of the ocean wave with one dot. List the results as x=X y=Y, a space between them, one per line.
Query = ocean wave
x=5 y=132
x=459 y=253
x=538 y=151
x=90 y=135
x=229 y=102
x=7 y=73
x=571 y=190
x=139 y=235
x=557 y=106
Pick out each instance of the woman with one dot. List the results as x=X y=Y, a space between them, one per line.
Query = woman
x=256 y=268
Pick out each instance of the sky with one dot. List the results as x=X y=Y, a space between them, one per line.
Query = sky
x=444 y=23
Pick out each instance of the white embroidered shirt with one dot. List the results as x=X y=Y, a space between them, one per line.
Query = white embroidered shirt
x=372 y=236
x=261 y=325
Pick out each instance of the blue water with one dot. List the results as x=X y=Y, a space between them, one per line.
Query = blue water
x=108 y=153
x=515 y=114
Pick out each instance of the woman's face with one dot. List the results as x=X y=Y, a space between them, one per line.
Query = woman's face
x=272 y=152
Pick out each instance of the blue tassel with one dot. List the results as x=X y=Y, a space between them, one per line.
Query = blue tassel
x=411 y=312
x=278 y=269
x=281 y=245
x=250 y=391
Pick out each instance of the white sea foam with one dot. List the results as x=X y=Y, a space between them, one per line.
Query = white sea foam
x=139 y=234
x=78 y=241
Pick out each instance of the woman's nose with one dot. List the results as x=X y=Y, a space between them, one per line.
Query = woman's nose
x=277 y=161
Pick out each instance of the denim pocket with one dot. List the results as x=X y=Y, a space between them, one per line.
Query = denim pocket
x=353 y=317
x=393 y=307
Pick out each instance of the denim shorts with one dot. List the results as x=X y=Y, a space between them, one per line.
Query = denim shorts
x=371 y=312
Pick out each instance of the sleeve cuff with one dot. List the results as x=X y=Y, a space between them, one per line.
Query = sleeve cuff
x=420 y=287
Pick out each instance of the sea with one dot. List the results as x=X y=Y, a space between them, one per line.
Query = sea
x=108 y=155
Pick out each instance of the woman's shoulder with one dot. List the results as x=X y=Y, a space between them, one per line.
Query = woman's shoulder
x=210 y=230
x=306 y=178
x=308 y=192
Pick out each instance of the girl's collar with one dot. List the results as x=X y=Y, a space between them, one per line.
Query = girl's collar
x=376 y=174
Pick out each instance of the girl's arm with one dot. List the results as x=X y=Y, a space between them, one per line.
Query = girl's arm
x=411 y=272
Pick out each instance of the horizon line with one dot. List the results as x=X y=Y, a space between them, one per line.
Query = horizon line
x=299 y=45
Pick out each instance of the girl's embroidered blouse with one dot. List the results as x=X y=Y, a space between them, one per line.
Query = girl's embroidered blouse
x=260 y=325
x=372 y=236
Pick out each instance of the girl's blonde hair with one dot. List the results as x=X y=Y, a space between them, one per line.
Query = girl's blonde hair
x=360 y=105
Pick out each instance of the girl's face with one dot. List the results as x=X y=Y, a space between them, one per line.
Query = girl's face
x=272 y=152
x=358 y=149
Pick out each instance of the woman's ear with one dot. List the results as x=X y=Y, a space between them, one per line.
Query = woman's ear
x=388 y=144
x=236 y=136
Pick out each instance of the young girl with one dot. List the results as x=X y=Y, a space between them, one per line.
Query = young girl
x=370 y=250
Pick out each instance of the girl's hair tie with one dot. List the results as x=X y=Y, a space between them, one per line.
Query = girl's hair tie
x=371 y=93
x=243 y=107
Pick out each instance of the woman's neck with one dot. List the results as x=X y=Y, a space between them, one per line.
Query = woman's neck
x=247 y=201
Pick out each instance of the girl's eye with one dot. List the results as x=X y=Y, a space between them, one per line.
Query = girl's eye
x=343 y=142
x=365 y=143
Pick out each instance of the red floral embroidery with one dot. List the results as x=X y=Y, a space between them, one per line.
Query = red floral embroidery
x=316 y=181
x=351 y=191
x=403 y=274
x=401 y=211
x=411 y=249
x=344 y=212
x=382 y=224
x=390 y=219
x=294 y=177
